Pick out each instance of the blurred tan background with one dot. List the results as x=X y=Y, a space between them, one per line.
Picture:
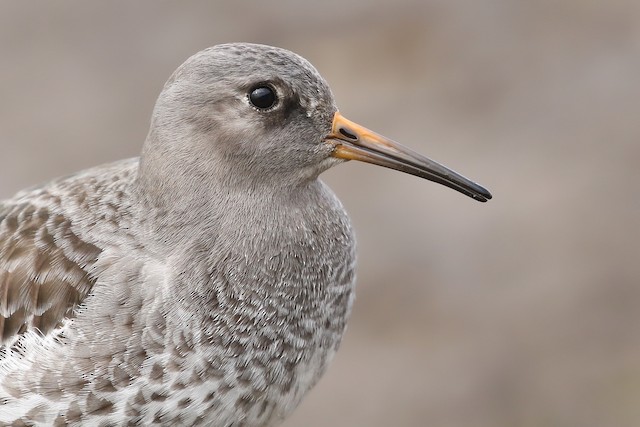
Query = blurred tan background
x=524 y=311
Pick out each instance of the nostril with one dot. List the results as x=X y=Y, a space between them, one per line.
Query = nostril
x=348 y=134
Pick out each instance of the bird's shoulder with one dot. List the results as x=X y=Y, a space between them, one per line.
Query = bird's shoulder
x=48 y=246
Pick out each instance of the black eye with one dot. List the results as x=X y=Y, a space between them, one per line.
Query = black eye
x=263 y=97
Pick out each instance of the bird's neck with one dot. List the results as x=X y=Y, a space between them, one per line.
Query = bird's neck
x=182 y=203
x=189 y=186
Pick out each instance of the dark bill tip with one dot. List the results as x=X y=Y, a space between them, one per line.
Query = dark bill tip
x=355 y=142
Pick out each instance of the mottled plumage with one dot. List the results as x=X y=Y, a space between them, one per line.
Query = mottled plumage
x=208 y=283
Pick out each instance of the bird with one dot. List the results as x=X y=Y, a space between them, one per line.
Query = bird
x=208 y=281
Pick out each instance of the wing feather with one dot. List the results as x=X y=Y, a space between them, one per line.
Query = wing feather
x=44 y=269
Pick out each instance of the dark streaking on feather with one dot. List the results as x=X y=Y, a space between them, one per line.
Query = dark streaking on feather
x=208 y=282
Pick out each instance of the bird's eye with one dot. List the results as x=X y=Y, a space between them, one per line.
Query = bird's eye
x=263 y=97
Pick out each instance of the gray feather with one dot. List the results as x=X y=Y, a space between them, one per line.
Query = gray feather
x=208 y=283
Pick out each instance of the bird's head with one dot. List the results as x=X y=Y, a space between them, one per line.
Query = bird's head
x=260 y=115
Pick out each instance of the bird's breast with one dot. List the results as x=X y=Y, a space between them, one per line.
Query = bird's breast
x=270 y=304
